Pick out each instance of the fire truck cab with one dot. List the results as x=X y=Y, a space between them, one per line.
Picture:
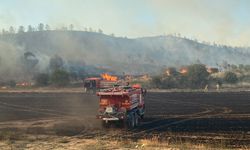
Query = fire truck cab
x=91 y=84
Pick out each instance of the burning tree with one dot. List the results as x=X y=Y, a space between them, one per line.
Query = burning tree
x=109 y=77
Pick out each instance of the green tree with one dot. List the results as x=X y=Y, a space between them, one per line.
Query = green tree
x=197 y=75
x=40 y=27
x=42 y=79
x=233 y=67
x=47 y=27
x=60 y=78
x=30 y=28
x=241 y=66
x=21 y=29
x=4 y=31
x=56 y=63
x=64 y=28
x=12 y=83
x=71 y=27
x=230 y=77
x=11 y=30
x=156 y=81
x=169 y=82
x=247 y=67
x=100 y=31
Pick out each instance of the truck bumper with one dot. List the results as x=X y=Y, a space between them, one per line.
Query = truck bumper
x=110 y=119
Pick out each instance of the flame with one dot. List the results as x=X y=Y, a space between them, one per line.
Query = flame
x=212 y=70
x=23 y=84
x=168 y=73
x=109 y=77
x=183 y=70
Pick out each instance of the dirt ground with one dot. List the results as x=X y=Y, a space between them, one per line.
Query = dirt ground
x=47 y=120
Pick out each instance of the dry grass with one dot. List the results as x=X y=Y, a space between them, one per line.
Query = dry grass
x=98 y=143
x=11 y=139
x=8 y=135
x=68 y=128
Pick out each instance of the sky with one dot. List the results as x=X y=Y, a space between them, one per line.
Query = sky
x=220 y=21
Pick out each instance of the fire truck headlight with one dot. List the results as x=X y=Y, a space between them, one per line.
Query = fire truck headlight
x=109 y=110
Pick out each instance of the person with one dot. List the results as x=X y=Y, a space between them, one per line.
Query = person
x=217 y=86
x=94 y=86
x=144 y=92
x=206 y=88
x=86 y=86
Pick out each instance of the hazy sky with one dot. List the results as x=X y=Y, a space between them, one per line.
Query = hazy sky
x=221 y=21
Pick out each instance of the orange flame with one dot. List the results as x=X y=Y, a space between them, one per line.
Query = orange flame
x=23 y=84
x=183 y=70
x=168 y=73
x=109 y=77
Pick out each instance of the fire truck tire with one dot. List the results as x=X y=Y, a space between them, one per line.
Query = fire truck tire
x=131 y=121
x=136 y=117
x=105 y=124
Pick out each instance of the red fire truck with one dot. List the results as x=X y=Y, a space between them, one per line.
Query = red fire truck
x=124 y=104
x=95 y=83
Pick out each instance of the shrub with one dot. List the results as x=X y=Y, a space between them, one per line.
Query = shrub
x=60 y=78
x=197 y=75
x=56 y=63
x=169 y=82
x=42 y=79
x=244 y=78
x=12 y=83
x=230 y=77
x=156 y=82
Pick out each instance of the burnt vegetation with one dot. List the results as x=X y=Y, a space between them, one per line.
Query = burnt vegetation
x=197 y=117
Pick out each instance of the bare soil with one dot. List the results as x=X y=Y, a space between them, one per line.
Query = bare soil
x=217 y=119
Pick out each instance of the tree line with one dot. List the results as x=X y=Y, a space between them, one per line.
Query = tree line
x=196 y=76
x=44 y=27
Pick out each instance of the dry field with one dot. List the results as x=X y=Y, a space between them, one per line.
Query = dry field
x=174 y=120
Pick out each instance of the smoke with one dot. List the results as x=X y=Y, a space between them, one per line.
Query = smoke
x=9 y=61
x=25 y=55
x=221 y=21
x=82 y=110
x=19 y=64
x=30 y=60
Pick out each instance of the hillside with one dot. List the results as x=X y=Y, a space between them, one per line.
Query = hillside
x=82 y=50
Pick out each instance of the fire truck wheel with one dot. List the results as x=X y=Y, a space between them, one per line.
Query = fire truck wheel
x=132 y=121
x=136 y=120
x=105 y=124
